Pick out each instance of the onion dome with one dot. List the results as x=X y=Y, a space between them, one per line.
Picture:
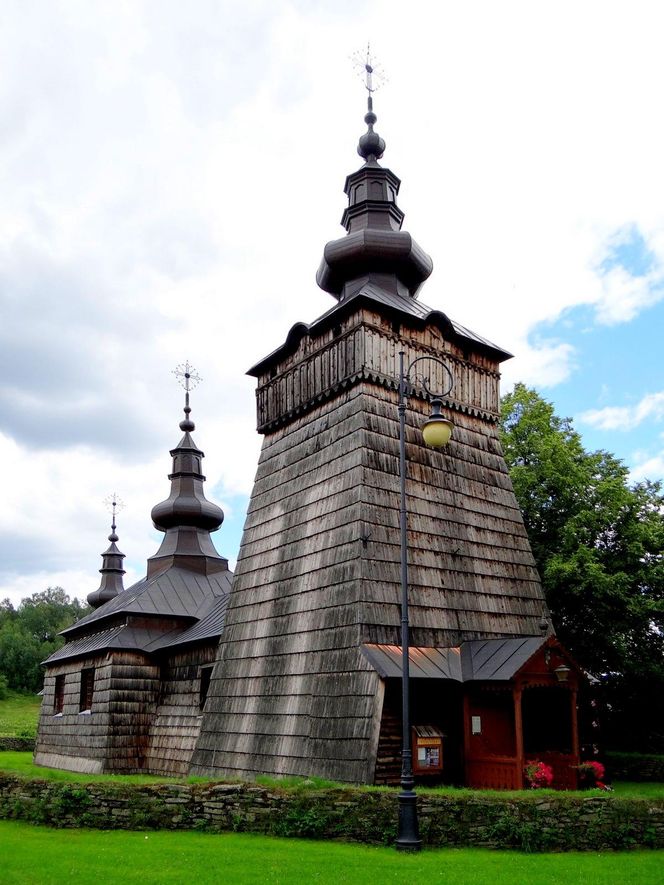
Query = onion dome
x=375 y=248
x=111 y=569
x=186 y=516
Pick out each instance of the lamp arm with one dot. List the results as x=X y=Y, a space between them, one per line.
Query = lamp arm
x=444 y=367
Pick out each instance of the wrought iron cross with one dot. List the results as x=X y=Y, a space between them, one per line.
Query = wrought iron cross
x=113 y=504
x=187 y=376
x=369 y=70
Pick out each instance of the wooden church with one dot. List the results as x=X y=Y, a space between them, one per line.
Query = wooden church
x=297 y=670
x=126 y=691
x=307 y=679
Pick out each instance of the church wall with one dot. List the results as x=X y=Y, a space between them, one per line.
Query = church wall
x=471 y=570
x=134 y=689
x=75 y=740
x=177 y=721
x=292 y=693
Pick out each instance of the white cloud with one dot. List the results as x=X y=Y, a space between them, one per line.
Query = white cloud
x=624 y=296
x=626 y=417
x=648 y=468
x=170 y=174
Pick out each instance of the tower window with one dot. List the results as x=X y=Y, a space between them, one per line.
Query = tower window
x=59 y=694
x=87 y=689
x=206 y=675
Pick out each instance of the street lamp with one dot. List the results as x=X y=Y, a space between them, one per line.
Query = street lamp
x=436 y=432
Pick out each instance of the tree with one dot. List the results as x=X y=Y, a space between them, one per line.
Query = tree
x=598 y=542
x=29 y=634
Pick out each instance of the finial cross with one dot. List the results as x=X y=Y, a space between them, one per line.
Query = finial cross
x=368 y=70
x=113 y=504
x=187 y=376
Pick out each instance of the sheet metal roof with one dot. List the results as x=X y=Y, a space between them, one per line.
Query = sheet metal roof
x=176 y=592
x=476 y=660
x=147 y=639
x=498 y=659
x=210 y=626
x=425 y=663
x=122 y=636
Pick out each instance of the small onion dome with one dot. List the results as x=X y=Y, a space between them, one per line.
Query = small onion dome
x=371 y=146
x=111 y=573
x=187 y=505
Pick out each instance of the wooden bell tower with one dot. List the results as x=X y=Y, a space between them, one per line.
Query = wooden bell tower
x=296 y=689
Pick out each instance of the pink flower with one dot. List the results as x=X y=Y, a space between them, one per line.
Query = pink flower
x=539 y=775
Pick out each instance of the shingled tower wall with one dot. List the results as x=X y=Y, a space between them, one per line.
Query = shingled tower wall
x=318 y=570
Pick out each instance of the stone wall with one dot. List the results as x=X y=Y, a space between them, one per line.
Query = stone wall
x=532 y=823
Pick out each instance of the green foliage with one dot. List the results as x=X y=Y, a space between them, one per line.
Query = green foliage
x=4 y=687
x=29 y=634
x=510 y=830
x=598 y=542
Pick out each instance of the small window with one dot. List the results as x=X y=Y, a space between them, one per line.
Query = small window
x=59 y=694
x=206 y=675
x=87 y=689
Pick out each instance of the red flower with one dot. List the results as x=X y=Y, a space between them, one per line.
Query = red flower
x=539 y=775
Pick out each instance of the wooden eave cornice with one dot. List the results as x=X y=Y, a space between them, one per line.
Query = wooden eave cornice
x=348 y=306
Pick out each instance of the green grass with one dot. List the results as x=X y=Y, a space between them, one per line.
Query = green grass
x=12 y=762
x=21 y=764
x=640 y=789
x=40 y=856
x=19 y=714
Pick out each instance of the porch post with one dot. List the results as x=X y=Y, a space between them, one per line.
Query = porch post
x=518 y=731
x=574 y=720
x=466 y=736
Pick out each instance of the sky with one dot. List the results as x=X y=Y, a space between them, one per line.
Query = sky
x=171 y=172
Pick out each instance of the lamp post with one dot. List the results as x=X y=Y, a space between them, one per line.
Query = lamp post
x=436 y=432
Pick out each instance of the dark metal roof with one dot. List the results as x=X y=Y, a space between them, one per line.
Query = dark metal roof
x=425 y=663
x=210 y=626
x=396 y=303
x=122 y=636
x=176 y=592
x=498 y=659
x=147 y=639
x=476 y=660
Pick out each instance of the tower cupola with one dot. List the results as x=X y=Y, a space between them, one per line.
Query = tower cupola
x=186 y=516
x=111 y=569
x=375 y=249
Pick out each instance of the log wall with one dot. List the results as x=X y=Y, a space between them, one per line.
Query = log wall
x=112 y=737
x=132 y=705
x=73 y=740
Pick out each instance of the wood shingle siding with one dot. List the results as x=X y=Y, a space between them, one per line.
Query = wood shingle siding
x=318 y=572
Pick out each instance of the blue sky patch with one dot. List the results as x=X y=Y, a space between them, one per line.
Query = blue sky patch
x=630 y=251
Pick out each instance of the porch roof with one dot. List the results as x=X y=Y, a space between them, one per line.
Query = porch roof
x=478 y=659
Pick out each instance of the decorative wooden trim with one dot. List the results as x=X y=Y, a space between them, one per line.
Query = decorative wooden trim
x=364 y=352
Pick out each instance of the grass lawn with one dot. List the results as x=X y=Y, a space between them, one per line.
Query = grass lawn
x=41 y=856
x=14 y=762
x=19 y=714
x=19 y=763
